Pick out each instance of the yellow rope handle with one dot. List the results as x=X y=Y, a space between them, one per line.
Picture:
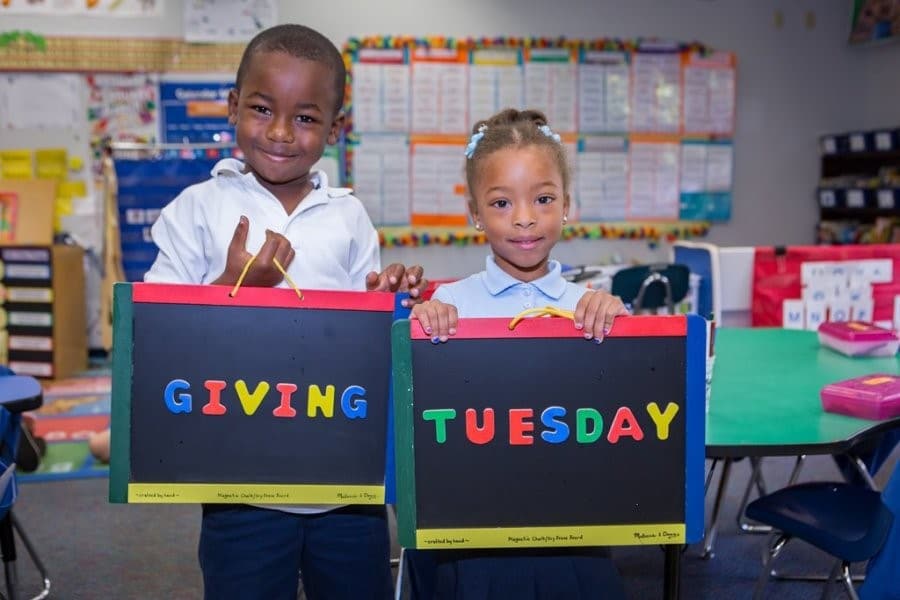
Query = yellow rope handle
x=246 y=268
x=542 y=310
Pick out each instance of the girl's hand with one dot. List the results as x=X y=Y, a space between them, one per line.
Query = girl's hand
x=263 y=272
x=397 y=278
x=595 y=312
x=437 y=319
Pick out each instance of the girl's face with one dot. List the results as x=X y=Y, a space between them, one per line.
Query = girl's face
x=520 y=202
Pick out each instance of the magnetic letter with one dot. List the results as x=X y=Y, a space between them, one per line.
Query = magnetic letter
x=250 y=402
x=354 y=403
x=324 y=402
x=519 y=427
x=624 y=423
x=183 y=402
x=440 y=416
x=662 y=420
x=583 y=416
x=285 y=410
x=483 y=434
x=559 y=431
x=214 y=406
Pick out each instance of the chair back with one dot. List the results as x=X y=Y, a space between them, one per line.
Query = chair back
x=651 y=287
x=881 y=572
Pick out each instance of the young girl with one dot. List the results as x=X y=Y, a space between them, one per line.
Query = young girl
x=518 y=180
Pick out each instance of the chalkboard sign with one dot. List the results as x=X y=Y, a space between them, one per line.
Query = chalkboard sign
x=262 y=397
x=536 y=437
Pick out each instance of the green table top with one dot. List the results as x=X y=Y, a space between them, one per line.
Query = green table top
x=765 y=395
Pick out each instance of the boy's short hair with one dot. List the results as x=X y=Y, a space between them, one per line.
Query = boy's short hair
x=301 y=42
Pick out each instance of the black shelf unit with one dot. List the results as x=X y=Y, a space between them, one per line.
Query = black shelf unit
x=852 y=187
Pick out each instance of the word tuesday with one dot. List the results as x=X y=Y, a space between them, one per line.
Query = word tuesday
x=588 y=424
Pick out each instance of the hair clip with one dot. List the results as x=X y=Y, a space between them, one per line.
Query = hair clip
x=473 y=141
x=545 y=129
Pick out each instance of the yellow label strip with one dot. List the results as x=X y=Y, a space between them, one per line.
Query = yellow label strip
x=530 y=537
x=227 y=493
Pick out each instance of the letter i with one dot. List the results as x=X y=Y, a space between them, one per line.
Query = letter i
x=214 y=406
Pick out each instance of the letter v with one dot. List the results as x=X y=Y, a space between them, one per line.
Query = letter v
x=250 y=402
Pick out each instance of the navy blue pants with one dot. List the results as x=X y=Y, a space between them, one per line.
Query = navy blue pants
x=247 y=552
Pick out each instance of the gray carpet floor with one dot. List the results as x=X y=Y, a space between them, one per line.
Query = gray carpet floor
x=93 y=549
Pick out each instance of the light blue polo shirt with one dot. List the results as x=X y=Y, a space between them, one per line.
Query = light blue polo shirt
x=495 y=293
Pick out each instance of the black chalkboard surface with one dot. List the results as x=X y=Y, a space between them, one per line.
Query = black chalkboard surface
x=262 y=397
x=536 y=437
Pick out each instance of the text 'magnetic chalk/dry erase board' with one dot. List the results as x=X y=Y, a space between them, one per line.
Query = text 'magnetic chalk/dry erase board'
x=537 y=437
x=261 y=397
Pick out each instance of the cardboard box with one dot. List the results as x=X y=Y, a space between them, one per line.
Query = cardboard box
x=26 y=211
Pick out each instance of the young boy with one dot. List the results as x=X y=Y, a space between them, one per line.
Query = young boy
x=285 y=107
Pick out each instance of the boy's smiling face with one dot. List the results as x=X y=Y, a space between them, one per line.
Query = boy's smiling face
x=284 y=114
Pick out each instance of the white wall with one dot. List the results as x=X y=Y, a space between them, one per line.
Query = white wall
x=795 y=82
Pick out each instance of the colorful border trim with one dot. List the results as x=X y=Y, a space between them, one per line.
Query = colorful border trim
x=633 y=326
x=573 y=535
x=219 y=295
x=266 y=493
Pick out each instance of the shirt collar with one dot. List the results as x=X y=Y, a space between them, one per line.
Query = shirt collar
x=235 y=167
x=496 y=280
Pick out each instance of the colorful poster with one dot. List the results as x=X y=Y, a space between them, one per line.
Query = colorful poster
x=9 y=206
x=709 y=89
x=123 y=108
x=602 y=178
x=438 y=183
x=603 y=84
x=194 y=111
x=227 y=21
x=439 y=85
x=496 y=81
x=706 y=180
x=656 y=91
x=381 y=177
x=381 y=97
x=551 y=77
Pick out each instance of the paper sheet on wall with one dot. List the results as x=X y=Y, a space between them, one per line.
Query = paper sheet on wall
x=496 y=82
x=603 y=85
x=653 y=180
x=709 y=88
x=602 y=178
x=42 y=101
x=656 y=92
x=98 y=8
x=706 y=167
x=439 y=81
x=381 y=177
x=381 y=90
x=438 y=183
x=551 y=78
x=122 y=108
x=227 y=20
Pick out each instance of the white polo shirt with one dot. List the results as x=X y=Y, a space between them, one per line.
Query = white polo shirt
x=330 y=231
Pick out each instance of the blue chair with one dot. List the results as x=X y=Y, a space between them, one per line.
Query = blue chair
x=651 y=287
x=849 y=522
x=17 y=395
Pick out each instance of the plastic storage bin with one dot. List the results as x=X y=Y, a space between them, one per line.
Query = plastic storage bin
x=855 y=338
x=874 y=396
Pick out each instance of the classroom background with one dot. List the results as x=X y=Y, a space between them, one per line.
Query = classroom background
x=810 y=155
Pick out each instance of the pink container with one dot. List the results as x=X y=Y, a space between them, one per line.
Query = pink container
x=869 y=397
x=855 y=338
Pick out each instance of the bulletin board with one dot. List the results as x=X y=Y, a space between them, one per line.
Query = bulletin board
x=602 y=445
x=648 y=127
x=260 y=397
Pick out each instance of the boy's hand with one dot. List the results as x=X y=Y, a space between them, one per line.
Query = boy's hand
x=437 y=319
x=263 y=272
x=397 y=278
x=595 y=312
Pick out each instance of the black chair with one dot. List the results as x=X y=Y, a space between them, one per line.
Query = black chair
x=849 y=522
x=17 y=395
x=651 y=287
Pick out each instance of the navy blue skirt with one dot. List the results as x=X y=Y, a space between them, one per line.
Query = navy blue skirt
x=522 y=574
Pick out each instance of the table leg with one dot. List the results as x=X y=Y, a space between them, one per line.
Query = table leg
x=710 y=538
x=672 y=573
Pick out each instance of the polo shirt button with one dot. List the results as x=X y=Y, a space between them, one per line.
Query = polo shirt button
x=527 y=291
x=527 y=305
